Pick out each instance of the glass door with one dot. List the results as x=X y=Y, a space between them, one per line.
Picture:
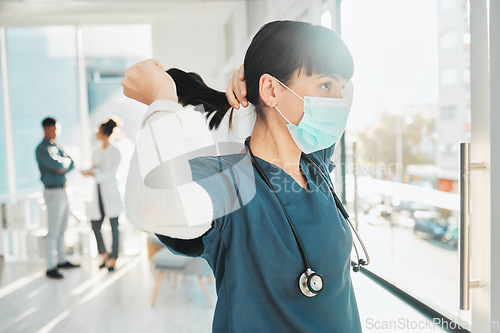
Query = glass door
x=411 y=109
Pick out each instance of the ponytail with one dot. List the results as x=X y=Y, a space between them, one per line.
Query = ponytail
x=191 y=89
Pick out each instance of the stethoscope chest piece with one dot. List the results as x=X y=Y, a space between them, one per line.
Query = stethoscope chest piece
x=310 y=283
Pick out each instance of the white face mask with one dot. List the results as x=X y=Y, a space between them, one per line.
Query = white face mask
x=348 y=91
x=323 y=122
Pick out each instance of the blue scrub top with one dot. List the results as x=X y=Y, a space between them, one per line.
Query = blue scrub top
x=256 y=260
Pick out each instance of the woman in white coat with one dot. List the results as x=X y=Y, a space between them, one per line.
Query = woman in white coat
x=107 y=200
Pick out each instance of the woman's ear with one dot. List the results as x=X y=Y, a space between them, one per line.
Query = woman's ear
x=266 y=90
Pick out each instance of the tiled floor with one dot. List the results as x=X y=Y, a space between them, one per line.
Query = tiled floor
x=93 y=300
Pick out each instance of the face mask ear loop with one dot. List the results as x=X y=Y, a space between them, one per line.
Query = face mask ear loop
x=293 y=92
x=282 y=114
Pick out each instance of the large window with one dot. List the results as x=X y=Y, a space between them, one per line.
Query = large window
x=43 y=82
x=408 y=116
x=106 y=62
x=105 y=67
x=45 y=78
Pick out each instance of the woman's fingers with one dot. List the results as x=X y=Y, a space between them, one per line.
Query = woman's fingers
x=241 y=87
x=236 y=89
x=242 y=72
x=146 y=82
x=157 y=63
x=231 y=98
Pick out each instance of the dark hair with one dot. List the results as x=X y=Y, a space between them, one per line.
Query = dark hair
x=191 y=89
x=282 y=47
x=279 y=49
x=47 y=122
x=108 y=127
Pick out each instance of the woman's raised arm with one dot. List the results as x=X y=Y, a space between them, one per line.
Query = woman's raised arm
x=177 y=185
x=147 y=82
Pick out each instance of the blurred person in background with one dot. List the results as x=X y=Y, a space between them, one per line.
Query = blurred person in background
x=54 y=163
x=107 y=200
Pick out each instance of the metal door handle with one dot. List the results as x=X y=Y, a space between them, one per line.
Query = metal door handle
x=464 y=226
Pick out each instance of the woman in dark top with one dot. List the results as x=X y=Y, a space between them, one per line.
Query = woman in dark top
x=254 y=214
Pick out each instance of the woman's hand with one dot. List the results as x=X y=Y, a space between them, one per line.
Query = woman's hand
x=147 y=82
x=237 y=89
x=88 y=173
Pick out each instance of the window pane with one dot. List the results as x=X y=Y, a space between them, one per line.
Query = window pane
x=410 y=111
x=43 y=82
x=106 y=64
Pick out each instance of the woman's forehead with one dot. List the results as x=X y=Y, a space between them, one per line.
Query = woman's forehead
x=319 y=76
x=332 y=76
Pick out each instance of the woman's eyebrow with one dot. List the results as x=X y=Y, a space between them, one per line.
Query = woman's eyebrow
x=332 y=76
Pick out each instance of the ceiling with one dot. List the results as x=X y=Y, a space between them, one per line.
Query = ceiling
x=17 y=12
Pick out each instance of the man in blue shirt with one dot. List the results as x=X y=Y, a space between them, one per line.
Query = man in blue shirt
x=54 y=163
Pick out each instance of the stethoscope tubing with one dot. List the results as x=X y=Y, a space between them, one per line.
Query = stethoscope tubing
x=266 y=180
x=342 y=210
x=337 y=201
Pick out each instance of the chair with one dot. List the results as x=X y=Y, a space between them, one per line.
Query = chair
x=154 y=245
x=164 y=260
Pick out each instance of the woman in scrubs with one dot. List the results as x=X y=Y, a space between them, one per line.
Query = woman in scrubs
x=235 y=217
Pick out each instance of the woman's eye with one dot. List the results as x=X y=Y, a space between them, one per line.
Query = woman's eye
x=326 y=86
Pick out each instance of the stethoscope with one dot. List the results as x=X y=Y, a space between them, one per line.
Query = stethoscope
x=310 y=282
